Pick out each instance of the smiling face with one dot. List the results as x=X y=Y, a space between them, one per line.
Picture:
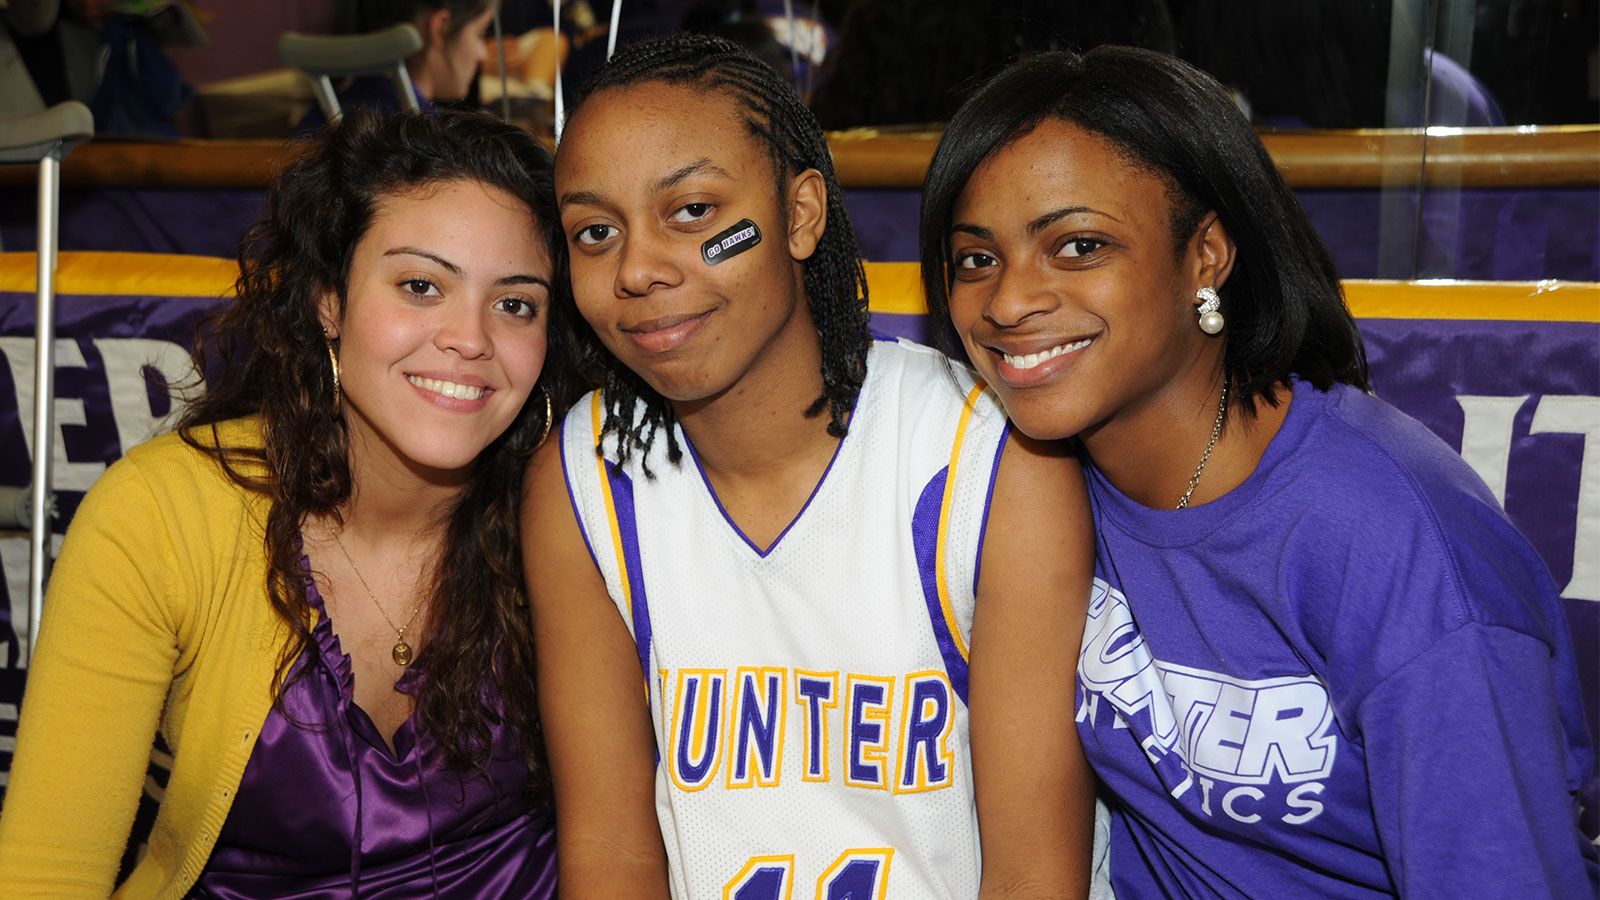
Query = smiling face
x=1068 y=294
x=647 y=175
x=443 y=331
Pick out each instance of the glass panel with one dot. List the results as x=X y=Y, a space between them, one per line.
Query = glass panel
x=1499 y=205
x=1342 y=90
x=1536 y=58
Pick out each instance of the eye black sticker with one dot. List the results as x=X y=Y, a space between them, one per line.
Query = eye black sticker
x=730 y=243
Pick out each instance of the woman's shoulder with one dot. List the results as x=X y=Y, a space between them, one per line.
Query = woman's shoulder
x=1347 y=445
x=936 y=414
x=1408 y=512
x=188 y=463
x=579 y=433
x=926 y=382
x=183 y=445
x=158 y=514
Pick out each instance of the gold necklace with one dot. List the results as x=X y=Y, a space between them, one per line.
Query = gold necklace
x=1216 y=429
x=401 y=654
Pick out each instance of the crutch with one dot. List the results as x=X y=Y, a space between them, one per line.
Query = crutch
x=44 y=138
x=325 y=57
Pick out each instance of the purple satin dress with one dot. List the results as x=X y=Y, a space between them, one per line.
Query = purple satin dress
x=311 y=795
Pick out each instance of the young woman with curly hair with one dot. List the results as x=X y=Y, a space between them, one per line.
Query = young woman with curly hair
x=312 y=589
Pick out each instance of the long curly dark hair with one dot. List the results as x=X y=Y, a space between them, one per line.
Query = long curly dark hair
x=266 y=356
x=835 y=282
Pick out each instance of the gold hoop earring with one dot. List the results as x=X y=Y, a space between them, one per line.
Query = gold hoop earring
x=549 y=415
x=333 y=361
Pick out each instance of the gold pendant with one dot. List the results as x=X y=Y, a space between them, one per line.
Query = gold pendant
x=401 y=654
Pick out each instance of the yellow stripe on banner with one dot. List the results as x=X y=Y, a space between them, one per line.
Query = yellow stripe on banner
x=944 y=521
x=123 y=274
x=611 y=513
x=1497 y=301
x=896 y=288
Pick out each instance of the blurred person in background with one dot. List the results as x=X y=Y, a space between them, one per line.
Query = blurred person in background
x=106 y=54
x=1326 y=64
x=18 y=95
x=442 y=71
x=742 y=22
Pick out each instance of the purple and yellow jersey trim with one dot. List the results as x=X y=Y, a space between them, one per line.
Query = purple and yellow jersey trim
x=930 y=528
x=616 y=490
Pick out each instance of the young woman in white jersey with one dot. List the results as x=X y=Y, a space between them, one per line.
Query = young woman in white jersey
x=760 y=685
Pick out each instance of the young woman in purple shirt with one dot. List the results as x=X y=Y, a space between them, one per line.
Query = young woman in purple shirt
x=1319 y=660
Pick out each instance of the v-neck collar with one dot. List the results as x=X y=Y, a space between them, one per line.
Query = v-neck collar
x=711 y=491
x=337 y=663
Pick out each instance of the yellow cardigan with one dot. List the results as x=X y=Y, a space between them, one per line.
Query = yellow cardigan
x=157 y=615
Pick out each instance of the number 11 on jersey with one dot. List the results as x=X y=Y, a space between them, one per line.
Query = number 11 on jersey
x=855 y=875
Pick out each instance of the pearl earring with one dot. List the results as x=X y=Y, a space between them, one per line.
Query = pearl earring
x=1210 y=320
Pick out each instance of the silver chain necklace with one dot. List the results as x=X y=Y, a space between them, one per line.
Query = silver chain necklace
x=1216 y=430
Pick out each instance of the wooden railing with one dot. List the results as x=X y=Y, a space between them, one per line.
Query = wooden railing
x=1554 y=156
x=1546 y=156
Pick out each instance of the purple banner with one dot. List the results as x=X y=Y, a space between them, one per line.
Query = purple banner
x=107 y=351
x=1526 y=234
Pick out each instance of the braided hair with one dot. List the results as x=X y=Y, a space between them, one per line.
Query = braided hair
x=835 y=282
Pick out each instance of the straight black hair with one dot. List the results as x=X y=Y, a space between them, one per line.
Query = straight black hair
x=1284 y=306
x=835 y=281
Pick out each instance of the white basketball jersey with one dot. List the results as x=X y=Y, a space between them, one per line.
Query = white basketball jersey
x=809 y=700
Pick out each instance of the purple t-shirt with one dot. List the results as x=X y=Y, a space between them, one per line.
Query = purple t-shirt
x=325 y=810
x=1348 y=677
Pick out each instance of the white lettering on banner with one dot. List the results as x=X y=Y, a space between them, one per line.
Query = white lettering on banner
x=8 y=743
x=14 y=565
x=126 y=360
x=66 y=475
x=1486 y=437
x=1579 y=415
